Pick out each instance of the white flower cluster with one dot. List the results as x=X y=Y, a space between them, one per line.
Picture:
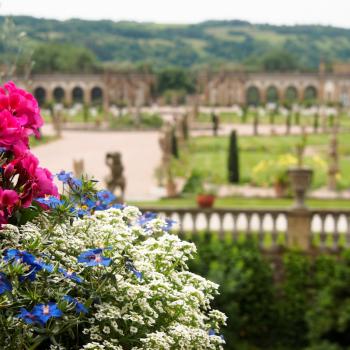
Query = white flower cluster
x=145 y=298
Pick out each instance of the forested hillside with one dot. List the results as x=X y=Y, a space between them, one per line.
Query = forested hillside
x=87 y=45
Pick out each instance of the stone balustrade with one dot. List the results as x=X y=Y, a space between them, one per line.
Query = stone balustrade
x=273 y=229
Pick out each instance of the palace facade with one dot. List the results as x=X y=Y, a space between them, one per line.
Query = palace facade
x=215 y=89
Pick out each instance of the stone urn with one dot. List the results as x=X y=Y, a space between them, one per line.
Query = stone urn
x=300 y=179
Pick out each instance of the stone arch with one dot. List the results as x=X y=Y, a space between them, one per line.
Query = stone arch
x=291 y=94
x=272 y=94
x=253 y=95
x=40 y=95
x=310 y=93
x=96 y=95
x=77 y=95
x=58 y=94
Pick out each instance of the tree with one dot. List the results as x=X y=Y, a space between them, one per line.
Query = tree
x=175 y=79
x=279 y=60
x=63 y=58
x=16 y=54
x=233 y=159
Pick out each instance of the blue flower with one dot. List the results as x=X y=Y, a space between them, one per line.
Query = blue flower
x=106 y=197
x=168 y=224
x=30 y=260
x=146 y=218
x=71 y=275
x=29 y=317
x=64 y=176
x=79 y=307
x=46 y=311
x=211 y=333
x=50 y=201
x=19 y=256
x=83 y=210
x=93 y=257
x=5 y=285
x=130 y=266
x=75 y=184
x=41 y=265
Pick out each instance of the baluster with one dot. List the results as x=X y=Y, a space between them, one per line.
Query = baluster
x=347 y=233
x=323 y=233
x=234 y=228
x=207 y=218
x=181 y=222
x=261 y=234
x=194 y=217
x=249 y=225
x=274 y=233
x=221 y=225
x=336 y=235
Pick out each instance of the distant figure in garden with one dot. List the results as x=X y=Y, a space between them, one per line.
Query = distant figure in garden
x=116 y=178
x=215 y=121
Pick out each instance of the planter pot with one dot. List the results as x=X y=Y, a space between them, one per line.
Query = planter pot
x=205 y=200
x=300 y=179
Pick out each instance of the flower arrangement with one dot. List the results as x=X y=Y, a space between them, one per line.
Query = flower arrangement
x=21 y=178
x=84 y=272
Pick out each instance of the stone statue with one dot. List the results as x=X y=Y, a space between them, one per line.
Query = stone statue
x=78 y=167
x=116 y=178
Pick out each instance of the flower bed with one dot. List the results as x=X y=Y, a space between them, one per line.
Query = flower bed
x=80 y=271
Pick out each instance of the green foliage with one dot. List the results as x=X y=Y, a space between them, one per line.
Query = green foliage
x=175 y=79
x=174 y=144
x=287 y=302
x=329 y=319
x=246 y=288
x=233 y=159
x=64 y=58
x=194 y=183
x=213 y=43
x=279 y=60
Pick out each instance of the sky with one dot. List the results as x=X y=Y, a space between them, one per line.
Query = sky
x=326 y=12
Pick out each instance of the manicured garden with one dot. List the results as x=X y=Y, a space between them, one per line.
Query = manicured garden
x=262 y=158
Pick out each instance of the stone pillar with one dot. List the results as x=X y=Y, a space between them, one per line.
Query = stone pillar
x=299 y=229
x=87 y=96
x=68 y=98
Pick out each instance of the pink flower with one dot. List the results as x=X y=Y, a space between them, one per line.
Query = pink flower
x=23 y=106
x=32 y=181
x=12 y=136
x=44 y=181
x=8 y=200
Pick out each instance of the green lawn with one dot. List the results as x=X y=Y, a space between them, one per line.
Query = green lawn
x=241 y=203
x=208 y=155
x=229 y=118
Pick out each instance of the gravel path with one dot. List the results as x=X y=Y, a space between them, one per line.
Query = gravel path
x=140 y=155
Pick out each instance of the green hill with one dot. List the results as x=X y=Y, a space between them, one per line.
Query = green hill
x=211 y=43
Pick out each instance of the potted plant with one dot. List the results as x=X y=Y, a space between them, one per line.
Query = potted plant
x=205 y=199
x=205 y=193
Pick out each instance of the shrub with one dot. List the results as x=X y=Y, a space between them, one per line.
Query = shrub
x=233 y=160
x=290 y=302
